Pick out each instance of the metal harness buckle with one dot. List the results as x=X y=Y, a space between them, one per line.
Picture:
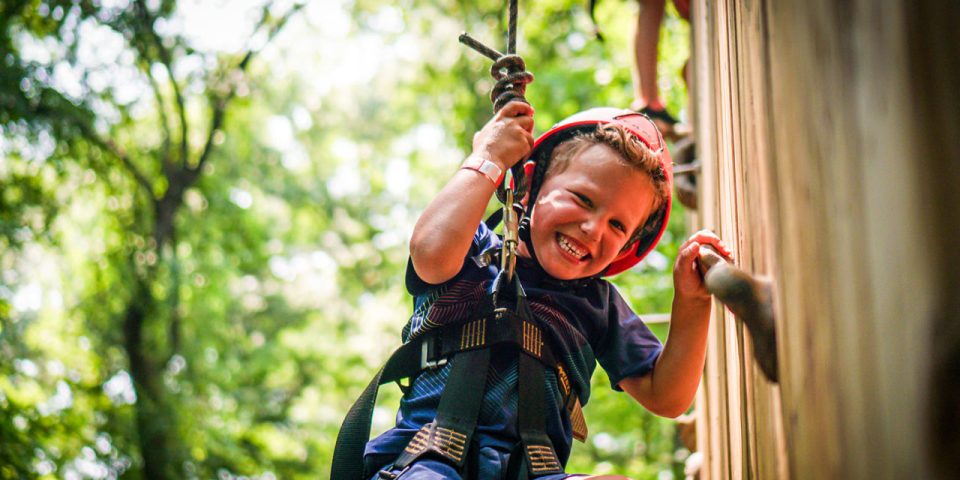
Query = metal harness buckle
x=385 y=475
x=426 y=351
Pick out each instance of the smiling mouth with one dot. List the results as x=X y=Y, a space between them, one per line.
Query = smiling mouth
x=571 y=247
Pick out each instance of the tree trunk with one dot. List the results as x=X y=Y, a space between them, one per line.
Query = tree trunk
x=154 y=419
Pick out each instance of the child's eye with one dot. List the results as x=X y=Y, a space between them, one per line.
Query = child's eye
x=619 y=226
x=583 y=199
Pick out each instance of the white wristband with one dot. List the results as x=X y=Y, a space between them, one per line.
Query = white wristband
x=489 y=169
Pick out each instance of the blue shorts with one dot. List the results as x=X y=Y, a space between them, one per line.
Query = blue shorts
x=491 y=464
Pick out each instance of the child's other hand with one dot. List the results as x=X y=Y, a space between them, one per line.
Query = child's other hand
x=687 y=281
x=508 y=137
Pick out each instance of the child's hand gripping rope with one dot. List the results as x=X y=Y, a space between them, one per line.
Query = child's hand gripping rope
x=508 y=137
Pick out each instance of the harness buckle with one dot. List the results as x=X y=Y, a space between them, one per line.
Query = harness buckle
x=385 y=475
x=427 y=349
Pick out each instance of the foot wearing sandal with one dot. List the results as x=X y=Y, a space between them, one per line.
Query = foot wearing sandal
x=669 y=127
x=660 y=115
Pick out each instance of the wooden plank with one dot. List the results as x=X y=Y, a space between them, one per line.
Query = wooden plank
x=744 y=224
x=655 y=318
x=801 y=210
x=767 y=445
x=726 y=226
x=933 y=42
x=712 y=412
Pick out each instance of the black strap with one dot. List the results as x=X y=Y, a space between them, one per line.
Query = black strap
x=448 y=436
x=540 y=456
x=406 y=362
x=502 y=326
x=494 y=219
x=355 y=430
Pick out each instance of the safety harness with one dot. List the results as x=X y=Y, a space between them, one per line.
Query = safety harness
x=504 y=323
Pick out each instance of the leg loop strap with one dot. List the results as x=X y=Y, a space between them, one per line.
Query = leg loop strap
x=448 y=436
x=448 y=443
x=541 y=458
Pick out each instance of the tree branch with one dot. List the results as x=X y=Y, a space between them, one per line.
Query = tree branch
x=115 y=150
x=216 y=121
x=164 y=121
x=165 y=60
x=221 y=103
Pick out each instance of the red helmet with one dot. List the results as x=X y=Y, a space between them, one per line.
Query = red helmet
x=645 y=131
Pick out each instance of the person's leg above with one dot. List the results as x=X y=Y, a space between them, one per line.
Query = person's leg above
x=646 y=39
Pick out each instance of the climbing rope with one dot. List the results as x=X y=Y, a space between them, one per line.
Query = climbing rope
x=509 y=70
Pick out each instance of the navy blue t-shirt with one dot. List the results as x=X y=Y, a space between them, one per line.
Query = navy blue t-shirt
x=585 y=322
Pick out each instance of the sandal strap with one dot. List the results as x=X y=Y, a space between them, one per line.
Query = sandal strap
x=659 y=114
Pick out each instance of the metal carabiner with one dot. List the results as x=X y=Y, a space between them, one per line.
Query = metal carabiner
x=511 y=237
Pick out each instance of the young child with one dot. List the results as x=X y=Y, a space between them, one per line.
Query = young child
x=602 y=204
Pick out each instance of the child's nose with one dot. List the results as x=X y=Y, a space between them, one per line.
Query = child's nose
x=591 y=228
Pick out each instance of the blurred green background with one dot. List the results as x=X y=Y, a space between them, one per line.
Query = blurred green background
x=204 y=210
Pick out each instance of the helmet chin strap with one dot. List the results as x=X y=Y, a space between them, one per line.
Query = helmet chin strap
x=536 y=179
x=524 y=234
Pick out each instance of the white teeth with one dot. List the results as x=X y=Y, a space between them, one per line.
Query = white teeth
x=570 y=248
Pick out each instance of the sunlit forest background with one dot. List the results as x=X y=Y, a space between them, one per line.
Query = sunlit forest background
x=204 y=215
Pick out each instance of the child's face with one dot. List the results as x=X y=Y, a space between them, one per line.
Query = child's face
x=585 y=214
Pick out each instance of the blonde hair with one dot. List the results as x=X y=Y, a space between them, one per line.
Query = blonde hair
x=631 y=151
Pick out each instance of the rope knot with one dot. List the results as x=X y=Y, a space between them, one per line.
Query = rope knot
x=512 y=79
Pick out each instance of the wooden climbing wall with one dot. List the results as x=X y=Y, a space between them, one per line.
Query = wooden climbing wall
x=817 y=165
x=739 y=427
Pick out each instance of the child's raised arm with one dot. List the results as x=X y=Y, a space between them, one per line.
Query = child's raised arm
x=443 y=233
x=668 y=390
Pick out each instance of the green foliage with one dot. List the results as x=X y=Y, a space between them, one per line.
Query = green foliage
x=279 y=291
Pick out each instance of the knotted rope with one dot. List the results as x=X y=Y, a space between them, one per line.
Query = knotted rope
x=510 y=72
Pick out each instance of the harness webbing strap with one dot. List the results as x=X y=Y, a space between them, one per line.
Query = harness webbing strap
x=538 y=450
x=574 y=409
x=448 y=435
x=500 y=327
x=355 y=431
